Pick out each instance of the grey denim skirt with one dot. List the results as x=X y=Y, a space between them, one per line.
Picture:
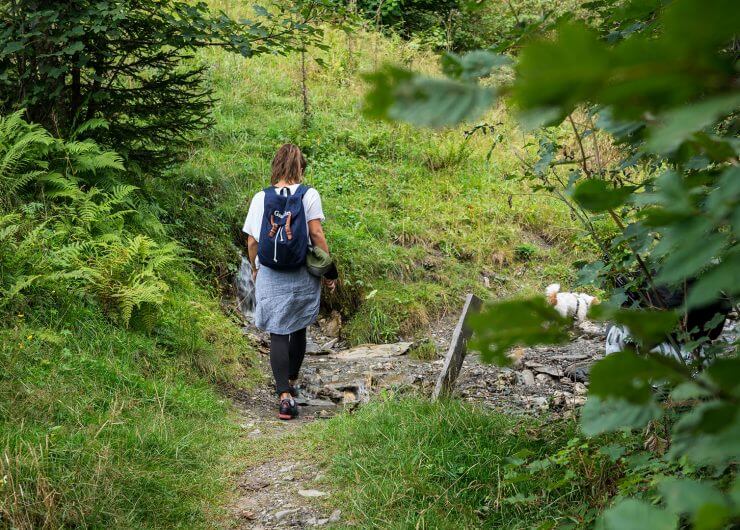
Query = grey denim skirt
x=287 y=301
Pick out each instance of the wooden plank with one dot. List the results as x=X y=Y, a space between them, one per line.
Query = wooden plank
x=458 y=349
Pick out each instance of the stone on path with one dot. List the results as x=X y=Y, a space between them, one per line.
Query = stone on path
x=312 y=493
x=527 y=377
x=366 y=351
x=544 y=369
x=282 y=514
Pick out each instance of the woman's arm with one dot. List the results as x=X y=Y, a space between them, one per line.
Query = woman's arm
x=252 y=253
x=316 y=232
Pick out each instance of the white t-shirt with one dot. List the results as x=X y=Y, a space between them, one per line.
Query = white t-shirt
x=311 y=208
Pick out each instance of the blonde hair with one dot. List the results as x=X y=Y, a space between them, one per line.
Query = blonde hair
x=288 y=165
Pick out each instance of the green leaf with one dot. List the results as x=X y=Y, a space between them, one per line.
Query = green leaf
x=526 y=322
x=724 y=277
x=689 y=390
x=613 y=451
x=397 y=94
x=607 y=415
x=725 y=373
x=598 y=196
x=680 y=123
x=690 y=255
x=708 y=434
x=630 y=514
x=73 y=48
x=260 y=10
x=12 y=47
x=561 y=72
x=627 y=375
x=473 y=65
x=711 y=516
x=686 y=496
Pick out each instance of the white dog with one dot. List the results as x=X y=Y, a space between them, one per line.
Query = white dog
x=573 y=305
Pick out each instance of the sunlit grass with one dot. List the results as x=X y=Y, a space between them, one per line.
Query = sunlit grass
x=416 y=215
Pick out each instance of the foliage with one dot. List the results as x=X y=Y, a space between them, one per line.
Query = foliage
x=106 y=345
x=661 y=81
x=78 y=238
x=462 y=25
x=127 y=63
x=100 y=427
x=381 y=184
x=457 y=466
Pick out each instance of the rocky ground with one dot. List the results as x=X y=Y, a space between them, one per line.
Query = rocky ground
x=335 y=377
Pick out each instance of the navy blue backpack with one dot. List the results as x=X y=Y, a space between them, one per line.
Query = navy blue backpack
x=283 y=241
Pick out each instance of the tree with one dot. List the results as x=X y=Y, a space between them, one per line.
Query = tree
x=129 y=63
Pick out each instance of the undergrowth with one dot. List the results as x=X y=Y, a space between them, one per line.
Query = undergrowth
x=100 y=427
x=409 y=463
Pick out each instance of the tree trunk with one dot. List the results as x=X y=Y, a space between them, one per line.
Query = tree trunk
x=304 y=90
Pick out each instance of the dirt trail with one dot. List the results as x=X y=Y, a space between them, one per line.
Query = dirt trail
x=279 y=492
x=282 y=492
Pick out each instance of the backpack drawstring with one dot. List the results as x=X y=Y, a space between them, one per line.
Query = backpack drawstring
x=274 y=256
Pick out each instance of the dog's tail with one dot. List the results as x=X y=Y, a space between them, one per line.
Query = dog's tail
x=552 y=293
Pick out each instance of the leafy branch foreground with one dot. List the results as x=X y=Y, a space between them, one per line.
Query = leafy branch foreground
x=661 y=83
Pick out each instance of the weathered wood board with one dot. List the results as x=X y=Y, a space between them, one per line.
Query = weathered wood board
x=458 y=349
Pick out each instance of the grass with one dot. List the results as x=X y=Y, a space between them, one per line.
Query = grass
x=105 y=427
x=419 y=217
x=109 y=427
x=414 y=464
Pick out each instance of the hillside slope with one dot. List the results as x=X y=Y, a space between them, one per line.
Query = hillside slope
x=415 y=217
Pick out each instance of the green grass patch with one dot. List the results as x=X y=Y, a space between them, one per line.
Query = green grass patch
x=414 y=464
x=104 y=427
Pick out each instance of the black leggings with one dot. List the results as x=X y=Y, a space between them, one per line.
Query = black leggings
x=286 y=357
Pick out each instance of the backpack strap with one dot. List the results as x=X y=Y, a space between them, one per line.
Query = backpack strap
x=302 y=190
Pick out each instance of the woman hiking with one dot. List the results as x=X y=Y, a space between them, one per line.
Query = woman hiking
x=283 y=223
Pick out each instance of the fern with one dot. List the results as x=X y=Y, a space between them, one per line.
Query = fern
x=21 y=153
x=75 y=234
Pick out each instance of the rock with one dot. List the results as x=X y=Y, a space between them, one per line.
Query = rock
x=312 y=493
x=366 y=351
x=253 y=484
x=327 y=346
x=543 y=379
x=570 y=357
x=335 y=515
x=311 y=347
x=578 y=371
x=320 y=403
x=332 y=326
x=580 y=389
x=539 y=402
x=527 y=377
x=554 y=371
x=322 y=522
x=590 y=329
x=282 y=514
